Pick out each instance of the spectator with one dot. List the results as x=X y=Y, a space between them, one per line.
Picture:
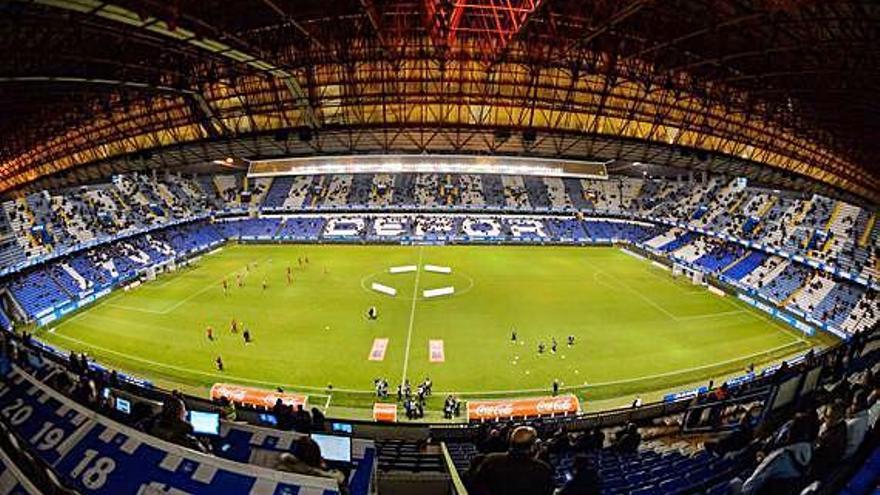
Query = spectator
x=307 y=460
x=172 y=426
x=857 y=423
x=831 y=444
x=469 y=477
x=283 y=414
x=227 y=409
x=516 y=472
x=736 y=440
x=495 y=443
x=628 y=439
x=596 y=439
x=782 y=471
x=318 y=419
x=302 y=420
x=585 y=480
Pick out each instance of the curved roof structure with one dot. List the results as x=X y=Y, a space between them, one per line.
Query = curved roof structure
x=785 y=91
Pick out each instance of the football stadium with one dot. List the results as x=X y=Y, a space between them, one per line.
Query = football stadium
x=440 y=247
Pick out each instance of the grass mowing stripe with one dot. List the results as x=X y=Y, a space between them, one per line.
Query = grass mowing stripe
x=412 y=314
x=762 y=316
x=637 y=293
x=222 y=376
x=631 y=380
x=312 y=332
x=487 y=392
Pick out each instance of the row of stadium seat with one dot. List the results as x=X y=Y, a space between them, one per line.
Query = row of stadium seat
x=96 y=454
x=834 y=232
x=673 y=463
x=779 y=281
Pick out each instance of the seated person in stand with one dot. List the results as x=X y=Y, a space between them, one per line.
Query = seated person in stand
x=307 y=460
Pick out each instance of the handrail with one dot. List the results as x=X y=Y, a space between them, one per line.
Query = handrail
x=457 y=484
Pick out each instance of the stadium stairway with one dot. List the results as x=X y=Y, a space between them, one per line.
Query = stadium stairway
x=404 y=190
x=537 y=192
x=575 y=192
x=720 y=257
x=97 y=455
x=361 y=185
x=278 y=192
x=556 y=193
x=403 y=455
x=838 y=303
x=866 y=234
x=786 y=282
x=493 y=190
x=5 y=322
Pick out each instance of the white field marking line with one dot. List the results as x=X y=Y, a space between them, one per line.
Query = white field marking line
x=661 y=308
x=209 y=287
x=224 y=377
x=412 y=315
x=757 y=313
x=135 y=308
x=711 y=315
x=628 y=380
x=119 y=293
x=86 y=310
x=754 y=312
x=462 y=292
x=478 y=393
x=636 y=292
x=184 y=300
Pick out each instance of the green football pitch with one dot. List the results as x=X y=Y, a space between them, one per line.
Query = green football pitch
x=637 y=330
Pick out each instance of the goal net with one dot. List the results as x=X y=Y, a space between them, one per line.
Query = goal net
x=695 y=276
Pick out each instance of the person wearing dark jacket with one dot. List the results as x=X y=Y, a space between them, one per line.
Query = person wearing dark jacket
x=516 y=472
x=831 y=443
x=469 y=477
x=585 y=480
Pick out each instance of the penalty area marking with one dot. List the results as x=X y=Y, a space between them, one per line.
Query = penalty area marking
x=188 y=298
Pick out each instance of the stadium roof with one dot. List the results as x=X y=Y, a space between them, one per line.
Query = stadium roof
x=785 y=91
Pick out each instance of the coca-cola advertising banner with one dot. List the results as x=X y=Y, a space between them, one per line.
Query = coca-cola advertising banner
x=535 y=406
x=256 y=397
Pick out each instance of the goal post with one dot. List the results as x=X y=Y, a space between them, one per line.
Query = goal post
x=696 y=276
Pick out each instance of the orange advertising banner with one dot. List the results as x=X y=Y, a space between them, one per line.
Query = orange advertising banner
x=535 y=406
x=256 y=397
x=384 y=413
